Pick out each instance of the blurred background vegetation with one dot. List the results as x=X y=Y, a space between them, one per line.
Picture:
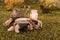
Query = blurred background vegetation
x=10 y=4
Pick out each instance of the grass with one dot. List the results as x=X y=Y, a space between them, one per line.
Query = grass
x=50 y=31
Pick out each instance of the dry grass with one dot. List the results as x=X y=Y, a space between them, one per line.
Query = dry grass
x=50 y=31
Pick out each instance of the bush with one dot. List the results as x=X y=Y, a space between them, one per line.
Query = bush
x=10 y=3
x=48 y=3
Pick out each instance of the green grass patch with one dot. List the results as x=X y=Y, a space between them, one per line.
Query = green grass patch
x=50 y=31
